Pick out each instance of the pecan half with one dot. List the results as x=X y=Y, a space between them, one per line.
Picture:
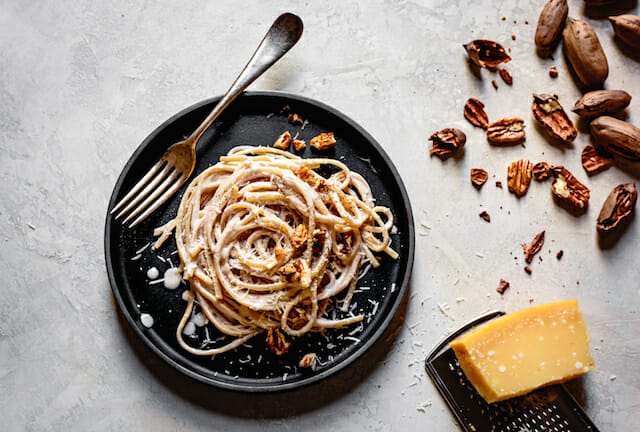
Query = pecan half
x=617 y=210
x=323 y=141
x=585 y=54
x=616 y=137
x=474 y=112
x=506 y=76
x=550 y=25
x=283 y=141
x=484 y=215
x=551 y=116
x=601 y=102
x=486 y=53
x=447 y=142
x=519 y=176
x=531 y=250
x=478 y=177
x=568 y=192
x=503 y=286
x=506 y=131
x=276 y=342
x=541 y=171
x=593 y=162
x=627 y=28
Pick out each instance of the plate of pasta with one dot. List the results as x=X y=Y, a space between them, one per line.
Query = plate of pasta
x=281 y=261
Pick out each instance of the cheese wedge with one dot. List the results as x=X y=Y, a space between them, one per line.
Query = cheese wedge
x=521 y=351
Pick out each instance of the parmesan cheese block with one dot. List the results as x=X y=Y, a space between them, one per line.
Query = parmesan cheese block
x=519 y=352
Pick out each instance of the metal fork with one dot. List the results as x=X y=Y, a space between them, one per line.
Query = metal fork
x=176 y=165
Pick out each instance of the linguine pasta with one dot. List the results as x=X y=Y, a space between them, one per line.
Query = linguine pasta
x=266 y=243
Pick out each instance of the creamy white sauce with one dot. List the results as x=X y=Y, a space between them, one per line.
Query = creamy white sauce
x=153 y=273
x=189 y=329
x=199 y=319
x=146 y=320
x=172 y=278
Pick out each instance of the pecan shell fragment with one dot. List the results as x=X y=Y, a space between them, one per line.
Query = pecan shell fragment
x=519 y=176
x=627 y=28
x=618 y=210
x=551 y=116
x=616 y=137
x=506 y=131
x=601 y=102
x=593 y=162
x=486 y=53
x=447 y=142
x=568 y=192
x=550 y=25
x=474 y=112
x=541 y=171
x=506 y=76
x=478 y=177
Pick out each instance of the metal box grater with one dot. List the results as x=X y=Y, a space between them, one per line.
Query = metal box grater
x=548 y=409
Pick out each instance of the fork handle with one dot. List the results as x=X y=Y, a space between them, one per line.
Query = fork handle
x=281 y=37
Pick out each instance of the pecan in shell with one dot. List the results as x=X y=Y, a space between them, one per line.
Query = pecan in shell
x=486 y=53
x=474 y=112
x=616 y=137
x=627 y=28
x=585 y=54
x=601 y=102
x=551 y=116
x=447 y=142
x=568 y=192
x=550 y=25
x=506 y=131
x=519 y=176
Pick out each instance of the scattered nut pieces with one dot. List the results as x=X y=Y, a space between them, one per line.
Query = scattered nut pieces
x=568 y=192
x=309 y=361
x=277 y=343
x=593 y=162
x=506 y=76
x=283 y=141
x=478 y=177
x=447 y=142
x=506 y=131
x=299 y=145
x=531 y=250
x=300 y=235
x=484 y=215
x=503 y=286
x=486 y=53
x=474 y=112
x=551 y=116
x=513 y=37
x=519 y=176
x=295 y=118
x=498 y=183
x=494 y=84
x=541 y=171
x=323 y=141
x=553 y=72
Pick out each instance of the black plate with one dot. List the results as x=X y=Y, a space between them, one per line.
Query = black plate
x=256 y=118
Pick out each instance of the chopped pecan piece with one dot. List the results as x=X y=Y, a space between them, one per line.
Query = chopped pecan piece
x=618 y=210
x=300 y=235
x=559 y=254
x=503 y=286
x=593 y=162
x=528 y=270
x=447 y=142
x=277 y=343
x=309 y=361
x=506 y=76
x=312 y=179
x=279 y=252
x=531 y=250
x=506 y=131
x=541 y=171
x=494 y=84
x=498 y=183
x=484 y=215
x=478 y=177
x=568 y=192
x=294 y=118
x=323 y=141
x=474 y=112
x=551 y=116
x=283 y=141
x=299 y=145
x=519 y=176
x=288 y=271
x=553 y=72
x=486 y=53
x=304 y=273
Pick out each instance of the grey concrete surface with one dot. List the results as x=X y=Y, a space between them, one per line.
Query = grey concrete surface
x=83 y=82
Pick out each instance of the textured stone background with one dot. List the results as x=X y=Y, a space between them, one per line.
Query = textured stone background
x=82 y=83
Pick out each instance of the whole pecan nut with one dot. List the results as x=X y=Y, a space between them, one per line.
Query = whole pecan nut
x=447 y=142
x=506 y=131
x=568 y=191
x=551 y=116
x=474 y=112
x=486 y=53
x=593 y=162
x=601 y=102
x=616 y=137
x=541 y=171
x=585 y=54
x=550 y=24
x=627 y=28
x=519 y=176
x=478 y=177
x=617 y=210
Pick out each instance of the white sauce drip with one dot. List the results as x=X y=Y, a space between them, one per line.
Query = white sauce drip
x=146 y=320
x=189 y=329
x=172 y=278
x=153 y=273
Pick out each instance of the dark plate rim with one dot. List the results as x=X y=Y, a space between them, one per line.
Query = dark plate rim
x=262 y=388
